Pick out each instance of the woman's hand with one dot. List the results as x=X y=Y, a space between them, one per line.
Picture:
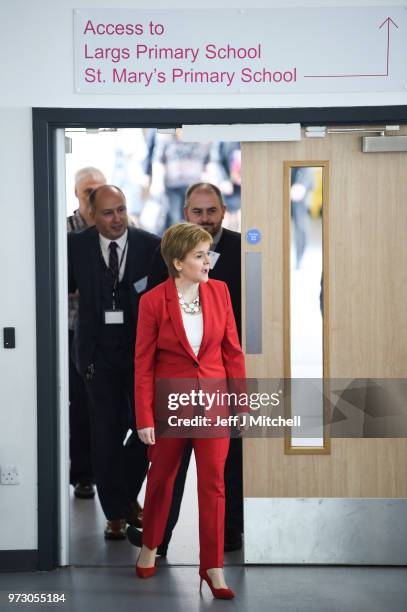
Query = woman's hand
x=147 y=435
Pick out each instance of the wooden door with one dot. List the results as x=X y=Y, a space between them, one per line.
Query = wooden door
x=365 y=316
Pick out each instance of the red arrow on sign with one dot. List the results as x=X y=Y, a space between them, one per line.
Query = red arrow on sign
x=341 y=76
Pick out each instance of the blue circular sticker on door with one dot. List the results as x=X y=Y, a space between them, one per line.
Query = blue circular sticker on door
x=253 y=236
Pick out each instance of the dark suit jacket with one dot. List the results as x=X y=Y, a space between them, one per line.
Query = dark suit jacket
x=227 y=269
x=84 y=274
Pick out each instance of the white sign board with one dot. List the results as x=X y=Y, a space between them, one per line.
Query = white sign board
x=259 y=51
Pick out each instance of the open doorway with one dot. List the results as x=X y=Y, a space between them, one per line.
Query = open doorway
x=154 y=171
x=47 y=122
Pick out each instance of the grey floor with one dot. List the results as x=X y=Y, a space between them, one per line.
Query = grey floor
x=101 y=576
x=277 y=589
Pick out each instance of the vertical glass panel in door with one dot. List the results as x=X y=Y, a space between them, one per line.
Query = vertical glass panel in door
x=306 y=303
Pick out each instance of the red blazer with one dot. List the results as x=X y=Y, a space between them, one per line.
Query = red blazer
x=163 y=351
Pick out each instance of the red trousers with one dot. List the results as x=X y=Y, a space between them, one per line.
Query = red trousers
x=165 y=457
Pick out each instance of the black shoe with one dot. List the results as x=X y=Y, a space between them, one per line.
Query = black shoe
x=84 y=490
x=233 y=540
x=162 y=550
x=135 y=537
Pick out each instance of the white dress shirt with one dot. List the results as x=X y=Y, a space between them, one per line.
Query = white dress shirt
x=121 y=245
x=193 y=325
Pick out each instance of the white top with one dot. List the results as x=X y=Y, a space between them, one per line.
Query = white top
x=121 y=245
x=193 y=325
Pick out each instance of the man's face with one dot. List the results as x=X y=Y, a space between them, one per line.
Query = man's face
x=110 y=213
x=205 y=210
x=83 y=189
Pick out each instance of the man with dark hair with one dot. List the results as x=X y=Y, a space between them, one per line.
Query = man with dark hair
x=108 y=265
x=205 y=207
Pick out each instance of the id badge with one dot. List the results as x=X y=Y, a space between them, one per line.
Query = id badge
x=141 y=284
x=114 y=317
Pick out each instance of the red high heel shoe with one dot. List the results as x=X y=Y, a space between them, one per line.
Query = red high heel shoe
x=145 y=572
x=217 y=593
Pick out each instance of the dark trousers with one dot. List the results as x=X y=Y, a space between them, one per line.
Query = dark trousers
x=79 y=426
x=119 y=470
x=233 y=489
x=234 y=486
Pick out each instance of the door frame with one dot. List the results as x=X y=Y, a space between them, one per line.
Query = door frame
x=45 y=122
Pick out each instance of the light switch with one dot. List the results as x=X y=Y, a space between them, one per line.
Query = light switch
x=9 y=336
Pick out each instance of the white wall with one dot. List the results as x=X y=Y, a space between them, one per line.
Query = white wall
x=36 y=51
x=36 y=69
x=18 y=427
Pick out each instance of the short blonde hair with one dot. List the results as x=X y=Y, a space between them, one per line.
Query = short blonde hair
x=179 y=240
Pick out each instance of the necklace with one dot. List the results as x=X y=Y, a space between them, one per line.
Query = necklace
x=191 y=308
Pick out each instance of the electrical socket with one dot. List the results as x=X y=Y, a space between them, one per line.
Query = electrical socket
x=9 y=475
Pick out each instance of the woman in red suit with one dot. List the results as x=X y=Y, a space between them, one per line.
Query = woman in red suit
x=186 y=329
